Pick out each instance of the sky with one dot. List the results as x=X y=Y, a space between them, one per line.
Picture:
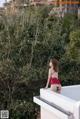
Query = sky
x=2 y=1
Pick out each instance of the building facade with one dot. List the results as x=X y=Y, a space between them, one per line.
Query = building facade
x=60 y=7
x=63 y=7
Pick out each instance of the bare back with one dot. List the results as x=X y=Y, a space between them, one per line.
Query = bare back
x=53 y=74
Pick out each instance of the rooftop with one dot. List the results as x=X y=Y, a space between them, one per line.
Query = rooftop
x=60 y=106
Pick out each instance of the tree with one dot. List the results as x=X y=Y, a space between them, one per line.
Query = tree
x=74 y=45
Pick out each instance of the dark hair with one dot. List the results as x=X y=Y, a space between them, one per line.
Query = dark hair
x=55 y=63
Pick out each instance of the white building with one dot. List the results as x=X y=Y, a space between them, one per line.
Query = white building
x=60 y=106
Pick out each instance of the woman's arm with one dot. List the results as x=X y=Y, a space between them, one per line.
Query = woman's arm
x=48 y=80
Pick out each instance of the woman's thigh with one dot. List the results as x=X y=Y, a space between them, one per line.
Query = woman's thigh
x=56 y=88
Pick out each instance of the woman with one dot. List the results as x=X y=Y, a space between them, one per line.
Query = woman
x=53 y=76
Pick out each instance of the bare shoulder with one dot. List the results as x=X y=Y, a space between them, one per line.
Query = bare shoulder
x=50 y=71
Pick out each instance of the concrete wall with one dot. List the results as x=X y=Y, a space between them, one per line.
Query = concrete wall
x=45 y=114
x=60 y=106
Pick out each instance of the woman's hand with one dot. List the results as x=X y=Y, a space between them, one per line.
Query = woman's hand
x=46 y=87
x=48 y=80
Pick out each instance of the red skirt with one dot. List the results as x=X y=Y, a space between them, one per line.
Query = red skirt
x=54 y=81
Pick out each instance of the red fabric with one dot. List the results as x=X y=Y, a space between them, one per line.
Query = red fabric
x=54 y=81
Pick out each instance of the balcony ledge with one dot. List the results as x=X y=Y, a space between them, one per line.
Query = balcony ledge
x=60 y=106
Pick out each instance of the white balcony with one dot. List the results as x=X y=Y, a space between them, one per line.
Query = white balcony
x=60 y=106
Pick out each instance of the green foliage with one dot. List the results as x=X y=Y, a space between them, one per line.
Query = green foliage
x=27 y=41
x=74 y=48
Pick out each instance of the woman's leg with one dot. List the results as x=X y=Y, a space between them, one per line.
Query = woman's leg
x=59 y=89
x=53 y=88
x=56 y=88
